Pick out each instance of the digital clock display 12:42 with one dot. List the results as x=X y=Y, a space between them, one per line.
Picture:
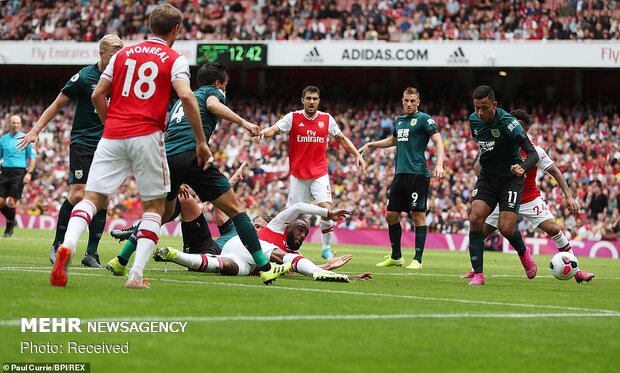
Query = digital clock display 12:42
x=233 y=54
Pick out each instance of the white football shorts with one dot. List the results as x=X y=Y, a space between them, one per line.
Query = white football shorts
x=115 y=159
x=309 y=191
x=535 y=212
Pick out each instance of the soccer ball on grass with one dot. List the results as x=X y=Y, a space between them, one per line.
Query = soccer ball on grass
x=563 y=266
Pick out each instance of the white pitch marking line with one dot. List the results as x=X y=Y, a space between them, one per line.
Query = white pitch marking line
x=359 y=293
x=341 y=317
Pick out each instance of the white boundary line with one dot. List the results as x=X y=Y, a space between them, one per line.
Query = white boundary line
x=345 y=292
x=465 y=315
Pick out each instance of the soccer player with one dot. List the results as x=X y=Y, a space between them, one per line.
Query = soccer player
x=533 y=207
x=308 y=133
x=139 y=79
x=17 y=168
x=499 y=136
x=281 y=239
x=85 y=134
x=209 y=183
x=409 y=189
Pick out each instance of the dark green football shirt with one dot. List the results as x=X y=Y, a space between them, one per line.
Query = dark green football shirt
x=498 y=141
x=412 y=134
x=87 y=127
x=179 y=135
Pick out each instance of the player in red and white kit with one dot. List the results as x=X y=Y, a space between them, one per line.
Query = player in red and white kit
x=533 y=207
x=139 y=80
x=308 y=132
x=280 y=240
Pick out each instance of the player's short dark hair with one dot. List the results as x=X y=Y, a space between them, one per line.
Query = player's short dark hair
x=266 y=218
x=411 y=91
x=522 y=116
x=484 y=91
x=312 y=89
x=164 y=19
x=210 y=72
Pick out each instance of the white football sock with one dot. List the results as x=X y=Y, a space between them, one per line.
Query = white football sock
x=148 y=236
x=327 y=232
x=81 y=215
x=198 y=262
x=302 y=265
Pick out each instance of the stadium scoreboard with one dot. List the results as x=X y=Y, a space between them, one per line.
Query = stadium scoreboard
x=233 y=54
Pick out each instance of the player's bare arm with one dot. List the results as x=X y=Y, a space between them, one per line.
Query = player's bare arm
x=530 y=160
x=477 y=165
x=348 y=145
x=388 y=142
x=439 y=172
x=33 y=136
x=192 y=113
x=268 y=132
x=99 y=97
x=571 y=204
x=222 y=111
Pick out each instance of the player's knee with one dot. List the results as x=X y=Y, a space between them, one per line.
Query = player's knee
x=229 y=268
x=11 y=203
x=392 y=217
x=507 y=229
x=189 y=209
x=75 y=195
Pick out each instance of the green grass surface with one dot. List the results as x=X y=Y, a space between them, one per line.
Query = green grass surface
x=402 y=321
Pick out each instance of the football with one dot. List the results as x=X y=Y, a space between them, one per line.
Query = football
x=563 y=266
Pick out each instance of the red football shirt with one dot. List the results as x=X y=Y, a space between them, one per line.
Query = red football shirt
x=530 y=188
x=308 y=138
x=141 y=77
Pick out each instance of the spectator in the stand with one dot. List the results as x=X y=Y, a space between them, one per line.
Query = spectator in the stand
x=597 y=201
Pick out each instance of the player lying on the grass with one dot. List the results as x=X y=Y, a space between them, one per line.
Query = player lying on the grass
x=280 y=240
x=197 y=238
x=532 y=206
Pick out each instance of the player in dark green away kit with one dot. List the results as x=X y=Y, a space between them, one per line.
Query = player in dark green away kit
x=409 y=189
x=85 y=135
x=499 y=136
x=208 y=183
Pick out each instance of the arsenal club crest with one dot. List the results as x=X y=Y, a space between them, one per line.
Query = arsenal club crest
x=321 y=124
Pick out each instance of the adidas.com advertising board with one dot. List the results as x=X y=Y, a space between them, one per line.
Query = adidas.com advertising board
x=444 y=54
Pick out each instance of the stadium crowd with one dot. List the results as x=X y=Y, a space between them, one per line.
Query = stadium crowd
x=583 y=141
x=396 y=20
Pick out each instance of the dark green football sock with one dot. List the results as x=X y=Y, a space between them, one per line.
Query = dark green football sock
x=476 y=250
x=516 y=241
x=63 y=220
x=248 y=236
x=395 y=232
x=420 y=240
x=129 y=248
x=95 y=231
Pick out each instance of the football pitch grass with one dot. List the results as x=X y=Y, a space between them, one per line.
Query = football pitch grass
x=402 y=321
